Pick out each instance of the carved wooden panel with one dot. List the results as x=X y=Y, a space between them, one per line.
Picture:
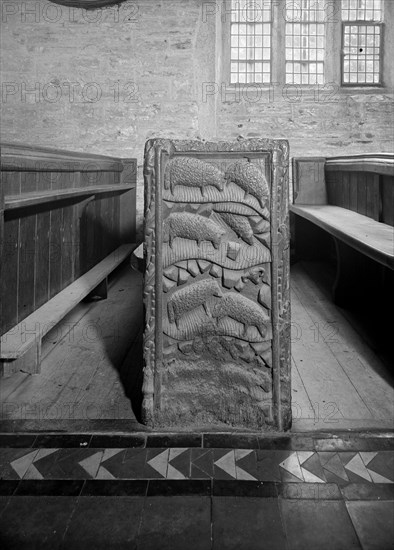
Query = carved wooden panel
x=217 y=333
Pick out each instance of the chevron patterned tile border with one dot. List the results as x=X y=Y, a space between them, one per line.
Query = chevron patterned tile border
x=173 y=463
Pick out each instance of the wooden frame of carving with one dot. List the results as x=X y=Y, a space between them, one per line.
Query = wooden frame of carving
x=278 y=152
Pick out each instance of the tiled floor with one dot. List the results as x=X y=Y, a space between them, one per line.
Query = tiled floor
x=187 y=491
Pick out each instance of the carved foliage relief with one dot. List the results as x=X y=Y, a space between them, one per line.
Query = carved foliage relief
x=214 y=357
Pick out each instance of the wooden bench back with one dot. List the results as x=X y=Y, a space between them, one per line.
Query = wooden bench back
x=309 y=186
x=48 y=243
x=361 y=183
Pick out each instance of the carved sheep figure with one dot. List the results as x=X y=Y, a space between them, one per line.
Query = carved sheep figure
x=191 y=297
x=192 y=172
x=239 y=224
x=241 y=309
x=193 y=227
x=250 y=178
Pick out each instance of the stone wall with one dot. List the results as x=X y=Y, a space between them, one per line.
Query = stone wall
x=105 y=81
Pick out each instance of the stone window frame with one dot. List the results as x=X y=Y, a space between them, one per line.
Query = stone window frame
x=333 y=59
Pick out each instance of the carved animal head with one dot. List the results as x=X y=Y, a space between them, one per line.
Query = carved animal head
x=255 y=275
x=221 y=183
x=248 y=239
x=217 y=310
x=218 y=292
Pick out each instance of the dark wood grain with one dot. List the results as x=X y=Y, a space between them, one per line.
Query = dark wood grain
x=85 y=226
x=388 y=200
x=9 y=280
x=75 y=228
x=116 y=221
x=10 y=257
x=27 y=258
x=112 y=227
x=372 y=239
x=361 y=194
x=55 y=252
x=106 y=224
x=353 y=192
x=356 y=191
x=331 y=179
x=67 y=237
x=372 y=182
x=345 y=190
x=98 y=232
x=114 y=215
x=127 y=203
x=61 y=217
x=27 y=251
x=14 y=202
x=41 y=284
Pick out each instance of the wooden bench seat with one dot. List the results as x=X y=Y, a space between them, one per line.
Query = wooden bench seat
x=66 y=221
x=347 y=202
x=21 y=346
x=372 y=238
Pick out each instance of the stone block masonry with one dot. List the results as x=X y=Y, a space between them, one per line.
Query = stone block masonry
x=105 y=81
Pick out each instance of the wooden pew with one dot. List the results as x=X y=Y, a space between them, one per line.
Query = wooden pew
x=344 y=206
x=67 y=221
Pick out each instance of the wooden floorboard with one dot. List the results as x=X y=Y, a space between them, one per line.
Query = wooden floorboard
x=344 y=379
x=371 y=380
x=21 y=338
x=89 y=373
x=324 y=378
x=81 y=368
x=301 y=403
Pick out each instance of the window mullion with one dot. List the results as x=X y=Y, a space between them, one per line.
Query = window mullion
x=333 y=51
x=278 y=62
